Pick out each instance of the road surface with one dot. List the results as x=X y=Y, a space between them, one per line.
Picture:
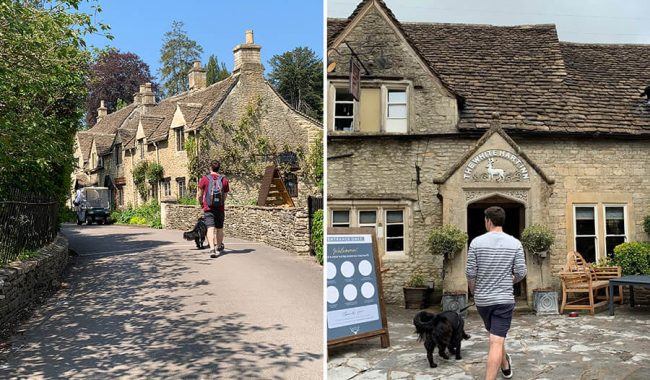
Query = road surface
x=143 y=303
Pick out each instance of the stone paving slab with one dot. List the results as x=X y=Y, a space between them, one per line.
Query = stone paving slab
x=542 y=347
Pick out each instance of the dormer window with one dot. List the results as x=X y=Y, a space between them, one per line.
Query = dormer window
x=141 y=148
x=180 y=138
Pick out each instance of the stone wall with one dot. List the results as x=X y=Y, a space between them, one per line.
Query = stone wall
x=22 y=282
x=284 y=228
x=598 y=169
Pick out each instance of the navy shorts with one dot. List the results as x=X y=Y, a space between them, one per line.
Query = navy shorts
x=214 y=218
x=497 y=318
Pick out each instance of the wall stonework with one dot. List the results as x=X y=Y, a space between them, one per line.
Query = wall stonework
x=579 y=166
x=22 y=282
x=284 y=228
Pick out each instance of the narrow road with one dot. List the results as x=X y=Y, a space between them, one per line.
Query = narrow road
x=144 y=303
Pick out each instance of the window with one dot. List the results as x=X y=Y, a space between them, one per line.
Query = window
x=396 y=110
x=120 y=195
x=291 y=183
x=118 y=154
x=614 y=228
x=181 y=187
x=367 y=218
x=100 y=162
x=341 y=218
x=394 y=231
x=141 y=148
x=180 y=138
x=167 y=187
x=585 y=232
x=343 y=110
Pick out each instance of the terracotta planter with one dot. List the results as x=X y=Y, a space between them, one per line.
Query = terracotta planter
x=416 y=298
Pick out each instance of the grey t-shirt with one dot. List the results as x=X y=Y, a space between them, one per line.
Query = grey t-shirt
x=493 y=259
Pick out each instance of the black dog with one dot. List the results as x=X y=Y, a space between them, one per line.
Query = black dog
x=446 y=330
x=198 y=233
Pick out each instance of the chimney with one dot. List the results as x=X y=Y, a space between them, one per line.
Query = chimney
x=247 y=56
x=197 y=76
x=101 y=111
x=146 y=94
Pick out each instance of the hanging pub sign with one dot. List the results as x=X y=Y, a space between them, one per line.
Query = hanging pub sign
x=355 y=300
x=355 y=79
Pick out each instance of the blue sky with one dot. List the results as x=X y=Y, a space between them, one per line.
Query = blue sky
x=279 y=26
x=592 y=21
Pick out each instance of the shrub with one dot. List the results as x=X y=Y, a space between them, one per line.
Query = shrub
x=416 y=281
x=146 y=214
x=537 y=239
x=137 y=220
x=646 y=224
x=190 y=201
x=154 y=173
x=633 y=258
x=67 y=215
x=317 y=234
x=447 y=240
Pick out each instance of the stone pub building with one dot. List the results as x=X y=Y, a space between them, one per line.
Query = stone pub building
x=453 y=118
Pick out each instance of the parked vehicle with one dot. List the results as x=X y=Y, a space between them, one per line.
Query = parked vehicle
x=94 y=205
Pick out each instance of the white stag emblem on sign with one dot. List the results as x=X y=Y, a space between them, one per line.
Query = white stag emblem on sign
x=491 y=171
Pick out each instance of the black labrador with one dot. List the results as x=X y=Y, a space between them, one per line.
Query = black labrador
x=198 y=233
x=445 y=330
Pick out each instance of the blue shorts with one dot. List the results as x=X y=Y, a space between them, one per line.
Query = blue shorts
x=497 y=318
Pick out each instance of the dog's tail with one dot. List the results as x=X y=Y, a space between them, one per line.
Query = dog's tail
x=423 y=322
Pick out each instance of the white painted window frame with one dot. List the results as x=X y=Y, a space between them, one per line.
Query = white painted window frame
x=575 y=227
x=625 y=219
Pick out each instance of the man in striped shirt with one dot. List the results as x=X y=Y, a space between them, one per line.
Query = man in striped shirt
x=495 y=261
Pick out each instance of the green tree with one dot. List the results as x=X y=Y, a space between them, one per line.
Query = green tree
x=216 y=72
x=43 y=68
x=176 y=56
x=298 y=76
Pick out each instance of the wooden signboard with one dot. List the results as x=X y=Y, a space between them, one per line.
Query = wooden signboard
x=355 y=298
x=273 y=192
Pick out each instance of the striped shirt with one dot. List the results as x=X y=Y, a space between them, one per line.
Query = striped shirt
x=493 y=259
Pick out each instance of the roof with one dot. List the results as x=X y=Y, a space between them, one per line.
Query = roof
x=111 y=122
x=85 y=143
x=534 y=81
x=103 y=143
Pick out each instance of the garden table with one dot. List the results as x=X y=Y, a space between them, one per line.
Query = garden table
x=631 y=281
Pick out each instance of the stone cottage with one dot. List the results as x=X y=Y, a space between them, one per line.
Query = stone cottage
x=453 y=118
x=145 y=130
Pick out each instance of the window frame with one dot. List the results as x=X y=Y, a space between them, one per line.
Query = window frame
x=594 y=206
x=343 y=225
x=386 y=88
x=625 y=229
x=403 y=237
x=118 y=154
x=141 y=148
x=180 y=138
x=181 y=186
x=354 y=111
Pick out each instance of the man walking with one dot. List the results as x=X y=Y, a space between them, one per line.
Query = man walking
x=495 y=261
x=211 y=195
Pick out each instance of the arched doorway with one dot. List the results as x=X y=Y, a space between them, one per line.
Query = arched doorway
x=514 y=224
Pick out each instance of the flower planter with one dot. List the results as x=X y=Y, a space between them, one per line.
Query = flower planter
x=416 y=298
x=454 y=302
x=545 y=302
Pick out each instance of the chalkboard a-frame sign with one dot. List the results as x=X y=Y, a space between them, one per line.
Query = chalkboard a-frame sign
x=355 y=298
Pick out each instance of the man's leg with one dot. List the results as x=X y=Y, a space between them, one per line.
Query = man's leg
x=496 y=356
x=211 y=238
x=219 y=224
x=504 y=361
x=219 y=237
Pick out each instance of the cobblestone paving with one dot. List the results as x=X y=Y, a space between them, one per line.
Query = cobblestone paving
x=542 y=347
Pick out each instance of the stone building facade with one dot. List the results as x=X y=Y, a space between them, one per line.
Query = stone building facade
x=454 y=118
x=109 y=152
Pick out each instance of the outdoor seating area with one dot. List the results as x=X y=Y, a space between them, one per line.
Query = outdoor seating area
x=582 y=284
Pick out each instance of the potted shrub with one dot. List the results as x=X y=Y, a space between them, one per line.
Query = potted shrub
x=537 y=240
x=447 y=240
x=416 y=292
x=633 y=258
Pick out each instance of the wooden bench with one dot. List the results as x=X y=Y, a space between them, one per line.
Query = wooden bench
x=581 y=278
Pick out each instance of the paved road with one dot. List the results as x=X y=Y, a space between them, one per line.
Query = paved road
x=144 y=303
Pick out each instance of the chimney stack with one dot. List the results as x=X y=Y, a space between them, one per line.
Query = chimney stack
x=147 y=96
x=247 y=56
x=197 y=76
x=101 y=111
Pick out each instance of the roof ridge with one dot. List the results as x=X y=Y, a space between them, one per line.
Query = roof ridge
x=545 y=25
x=603 y=44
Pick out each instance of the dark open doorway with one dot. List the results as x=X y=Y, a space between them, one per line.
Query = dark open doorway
x=514 y=225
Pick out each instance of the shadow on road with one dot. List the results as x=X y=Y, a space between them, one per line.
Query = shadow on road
x=125 y=317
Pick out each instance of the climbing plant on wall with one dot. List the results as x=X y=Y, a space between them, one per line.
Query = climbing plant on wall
x=139 y=178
